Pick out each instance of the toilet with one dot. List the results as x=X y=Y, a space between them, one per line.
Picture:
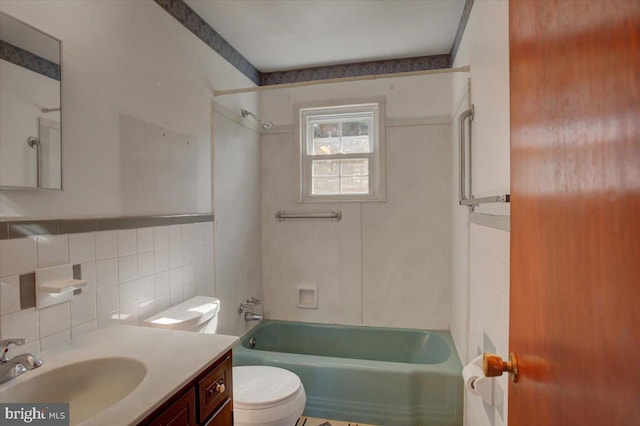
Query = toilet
x=262 y=395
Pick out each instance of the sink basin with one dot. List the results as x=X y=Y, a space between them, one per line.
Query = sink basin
x=88 y=386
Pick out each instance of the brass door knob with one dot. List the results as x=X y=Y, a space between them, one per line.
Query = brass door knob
x=494 y=366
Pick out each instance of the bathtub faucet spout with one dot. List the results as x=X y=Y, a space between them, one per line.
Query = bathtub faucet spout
x=250 y=316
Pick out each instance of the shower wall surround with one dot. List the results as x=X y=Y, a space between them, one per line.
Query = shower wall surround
x=384 y=263
x=238 y=225
x=131 y=274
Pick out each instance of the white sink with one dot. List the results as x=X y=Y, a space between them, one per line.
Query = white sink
x=89 y=386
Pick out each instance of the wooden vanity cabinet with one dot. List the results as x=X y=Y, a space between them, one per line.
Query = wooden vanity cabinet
x=181 y=413
x=207 y=400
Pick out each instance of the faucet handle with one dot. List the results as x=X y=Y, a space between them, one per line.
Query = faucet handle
x=245 y=307
x=4 y=345
x=254 y=300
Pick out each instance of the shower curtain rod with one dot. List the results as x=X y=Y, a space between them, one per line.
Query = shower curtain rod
x=465 y=68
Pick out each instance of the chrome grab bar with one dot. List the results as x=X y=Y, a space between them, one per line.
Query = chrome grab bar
x=335 y=215
x=463 y=199
x=462 y=190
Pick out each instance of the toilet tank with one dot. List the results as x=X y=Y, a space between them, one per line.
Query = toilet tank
x=199 y=314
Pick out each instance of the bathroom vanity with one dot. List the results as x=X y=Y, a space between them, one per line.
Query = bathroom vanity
x=206 y=400
x=126 y=375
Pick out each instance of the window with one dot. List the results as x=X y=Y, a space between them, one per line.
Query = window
x=342 y=153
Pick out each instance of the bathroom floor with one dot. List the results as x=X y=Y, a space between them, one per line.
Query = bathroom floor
x=312 y=421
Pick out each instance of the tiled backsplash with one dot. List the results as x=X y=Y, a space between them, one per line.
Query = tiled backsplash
x=131 y=274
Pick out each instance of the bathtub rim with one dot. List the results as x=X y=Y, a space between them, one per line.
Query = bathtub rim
x=452 y=365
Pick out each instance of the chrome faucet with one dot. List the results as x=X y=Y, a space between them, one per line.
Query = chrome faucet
x=246 y=309
x=10 y=368
x=250 y=316
x=249 y=304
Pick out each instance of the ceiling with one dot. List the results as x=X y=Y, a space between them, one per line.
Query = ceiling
x=276 y=35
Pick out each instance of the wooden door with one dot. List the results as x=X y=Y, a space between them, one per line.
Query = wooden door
x=575 y=212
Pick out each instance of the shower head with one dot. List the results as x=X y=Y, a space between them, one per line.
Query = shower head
x=266 y=126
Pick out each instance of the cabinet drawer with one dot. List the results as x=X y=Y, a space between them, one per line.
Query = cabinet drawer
x=180 y=413
x=224 y=415
x=215 y=388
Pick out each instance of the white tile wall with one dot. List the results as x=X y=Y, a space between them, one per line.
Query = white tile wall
x=129 y=277
x=489 y=314
x=88 y=272
x=145 y=240
x=160 y=238
x=84 y=328
x=17 y=256
x=9 y=294
x=146 y=265
x=54 y=319
x=127 y=268
x=106 y=244
x=81 y=248
x=22 y=324
x=106 y=272
x=107 y=300
x=161 y=260
x=127 y=242
x=83 y=308
x=146 y=289
x=53 y=340
x=53 y=250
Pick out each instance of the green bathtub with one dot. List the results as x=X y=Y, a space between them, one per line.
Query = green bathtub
x=383 y=376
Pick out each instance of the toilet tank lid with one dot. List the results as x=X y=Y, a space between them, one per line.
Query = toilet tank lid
x=186 y=315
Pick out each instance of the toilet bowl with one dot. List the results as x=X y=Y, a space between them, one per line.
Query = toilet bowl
x=267 y=396
x=262 y=395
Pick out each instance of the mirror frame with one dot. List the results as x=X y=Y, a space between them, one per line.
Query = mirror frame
x=32 y=188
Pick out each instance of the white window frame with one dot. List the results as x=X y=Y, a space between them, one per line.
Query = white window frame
x=303 y=112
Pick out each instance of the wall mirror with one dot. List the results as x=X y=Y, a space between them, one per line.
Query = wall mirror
x=30 y=107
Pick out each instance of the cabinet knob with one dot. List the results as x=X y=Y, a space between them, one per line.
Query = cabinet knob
x=220 y=387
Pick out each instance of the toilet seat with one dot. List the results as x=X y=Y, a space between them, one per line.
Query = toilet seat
x=266 y=395
x=257 y=387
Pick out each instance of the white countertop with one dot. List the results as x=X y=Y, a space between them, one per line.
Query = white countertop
x=172 y=359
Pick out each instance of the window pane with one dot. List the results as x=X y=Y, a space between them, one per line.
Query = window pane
x=325 y=146
x=355 y=144
x=359 y=167
x=325 y=138
x=355 y=185
x=355 y=128
x=338 y=145
x=326 y=130
x=325 y=186
x=326 y=168
x=355 y=137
